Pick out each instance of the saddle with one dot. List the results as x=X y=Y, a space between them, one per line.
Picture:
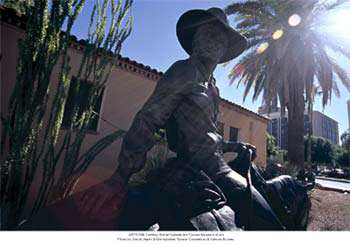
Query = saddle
x=180 y=197
x=287 y=196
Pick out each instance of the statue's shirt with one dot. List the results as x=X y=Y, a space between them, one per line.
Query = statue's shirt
x=186 y=104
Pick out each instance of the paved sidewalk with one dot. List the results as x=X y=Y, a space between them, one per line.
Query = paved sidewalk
x=331 y=184
x=333 y=179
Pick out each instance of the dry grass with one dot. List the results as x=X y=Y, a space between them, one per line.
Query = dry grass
x=330 y=211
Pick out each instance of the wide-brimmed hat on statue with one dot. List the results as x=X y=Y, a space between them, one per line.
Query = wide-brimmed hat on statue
x=189 y=22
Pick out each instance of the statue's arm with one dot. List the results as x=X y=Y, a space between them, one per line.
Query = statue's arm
x=140 y=138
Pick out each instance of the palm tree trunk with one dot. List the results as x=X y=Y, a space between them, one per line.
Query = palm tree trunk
x=310 y=113
x=296 y=107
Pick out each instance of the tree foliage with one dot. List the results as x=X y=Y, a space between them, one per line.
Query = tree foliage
x=325 y=152
x=345 y=139
x=271 y=146
x=322 y=150
x=343 y=155
x=33 y=139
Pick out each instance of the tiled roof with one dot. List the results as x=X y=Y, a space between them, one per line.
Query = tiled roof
x=245 y=110
x=11 y=17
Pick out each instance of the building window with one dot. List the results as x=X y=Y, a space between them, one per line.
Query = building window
x=79 y=99
x=233 y=134
x=221 y=128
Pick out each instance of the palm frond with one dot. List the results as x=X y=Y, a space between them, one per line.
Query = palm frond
x=240 y=68
x=248 y=22
x=324 y=74
x=244 y=8
x=333 y=44
x=341 y=74
x=259 y=86
x=335 y=89
x=333 y=5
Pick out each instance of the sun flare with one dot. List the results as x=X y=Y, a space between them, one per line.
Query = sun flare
x=337 y=23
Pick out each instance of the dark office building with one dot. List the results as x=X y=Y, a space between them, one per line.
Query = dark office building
x=322 y=126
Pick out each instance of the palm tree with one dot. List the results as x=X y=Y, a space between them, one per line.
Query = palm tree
x=287 y=57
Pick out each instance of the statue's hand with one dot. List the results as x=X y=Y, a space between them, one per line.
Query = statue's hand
x=197 y=196
x=104 y=201
x=247 y=146
x=128 y=161
x=239 y=147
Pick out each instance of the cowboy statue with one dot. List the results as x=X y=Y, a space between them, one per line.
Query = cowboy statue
x=185 y=103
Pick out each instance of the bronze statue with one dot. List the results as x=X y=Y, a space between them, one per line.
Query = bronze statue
x=185 y=103
x=197 y=189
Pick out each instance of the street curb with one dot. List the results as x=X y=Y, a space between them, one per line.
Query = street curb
x=318 y=186
x=333 y=179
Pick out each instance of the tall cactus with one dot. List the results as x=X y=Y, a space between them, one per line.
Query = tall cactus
x=32 y=126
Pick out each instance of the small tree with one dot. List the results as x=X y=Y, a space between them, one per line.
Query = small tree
x=273 y=152
x=345 y=139
x=322 y=150
x=30 y=145
x=343 y=156
x=271 y=146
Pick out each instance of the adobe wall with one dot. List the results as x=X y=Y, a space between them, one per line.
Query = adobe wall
x=128 y=88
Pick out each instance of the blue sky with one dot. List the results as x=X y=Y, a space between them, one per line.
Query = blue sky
x=153 y=42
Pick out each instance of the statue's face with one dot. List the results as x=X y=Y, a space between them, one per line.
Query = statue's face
x=209 y=42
